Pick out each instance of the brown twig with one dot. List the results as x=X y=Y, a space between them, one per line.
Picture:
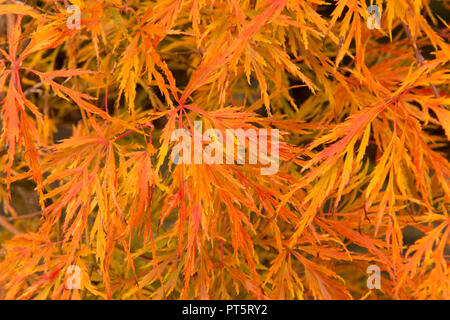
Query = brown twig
x=419 y=57
x=25 y=216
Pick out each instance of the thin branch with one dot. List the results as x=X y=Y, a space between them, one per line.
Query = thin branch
x=420 y=59
x=25 y=216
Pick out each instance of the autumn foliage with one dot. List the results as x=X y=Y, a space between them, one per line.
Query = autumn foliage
x=87 y=180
